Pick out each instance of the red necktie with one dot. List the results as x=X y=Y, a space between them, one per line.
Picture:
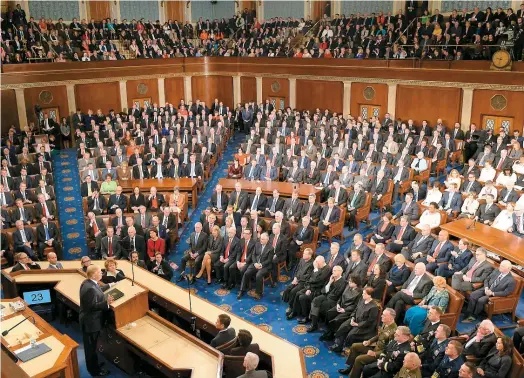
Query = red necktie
x=275 y=239
x=399 y=237
x=95 y=227
x=226 y=254
x=110 y=248
x=500 y=163
x=437 y=250
x=370 y=269
x=243 y=258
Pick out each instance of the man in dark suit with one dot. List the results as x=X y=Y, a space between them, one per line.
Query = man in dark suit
x=228 y=257
x=23 y=239
x=257 y=202
x=355 y=266
x=356 y=200
x=23 y=262
x=379 y=187
x=402 y=235
x=487 y=212
x=219 y=200
x=139 y=170
x=274 y=204
x=508 y=194
x=312 y=174
x=418 y=248
x=460 y=258
x=47 y=236
x=480 y=340
x=197 y=248
x=292 y=208
x=500 y=283
x=246 y=248
x=110 y=245
x=93 y=305
x=19 y=212
x=451 y=201
x=117 y=201
x=302 y=274
x=225 y=334
x=417 y=286
x=311 y=209
x=380 y=258
x=477 y=271
x=88 y=186
x=96 y=203
x=259 y=264
x=338 y=193
x=252 y=172
x=408 y=208
x=358 y=244
x=45 y=208
x=279 y=243
x=95 y=229
x=439 y=253
x=399 y=175
x=330 y=214
x=239 y=200
x=133 y=242
x=419 y=192
x=302 y=235
x=471 y=185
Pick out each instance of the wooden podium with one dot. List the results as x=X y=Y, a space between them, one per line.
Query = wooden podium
x=61 y=361
x=132 y=306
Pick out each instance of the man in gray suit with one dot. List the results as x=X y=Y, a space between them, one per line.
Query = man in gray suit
x=477 y=271
x=53 y=261
x=250 y=363
x=419 y=247
x=500 y=283
x=417 y=286
x=409 y=208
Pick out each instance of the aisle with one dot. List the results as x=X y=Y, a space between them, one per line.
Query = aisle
x=69 y=202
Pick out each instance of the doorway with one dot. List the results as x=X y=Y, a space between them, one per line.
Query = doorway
x=497 y=123
x=368 y=111
x=278 y=102
x=142 y=103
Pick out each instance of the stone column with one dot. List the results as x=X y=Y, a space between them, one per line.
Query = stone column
x=392 y=99
x=346 y=104
x=336 y=6
x=115 y=9
x=161 y=92
x=71 y=99
x=187 y=89
x=307 y=9
x=123 y=94
x=188 y=11
x=260 y=11
x=20 y=107
x=237 y=91
x=259 y=90
x=467 y=104
x=82 y=6
x=162 y=11
x=293 y=93
x=434 y=4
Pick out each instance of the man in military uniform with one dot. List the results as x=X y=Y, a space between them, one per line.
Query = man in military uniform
x=391 y=359
x=436 y=351
x=450 y=365
x=467 y=370
x=411 y=367
x=317 y=280
x=361 y=354
x=426 y=336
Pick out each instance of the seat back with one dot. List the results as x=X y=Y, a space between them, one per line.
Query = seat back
x=233 y=366
x=363 y=212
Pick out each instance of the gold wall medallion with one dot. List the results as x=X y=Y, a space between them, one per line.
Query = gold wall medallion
x=499 y=102
x=142 y=88
x=369 y=93
x=275 y=87
x=45 y=97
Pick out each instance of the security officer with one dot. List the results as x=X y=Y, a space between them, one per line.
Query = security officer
x=391 y=359
x=450 y=365
x=436 y=351
x=362 y=354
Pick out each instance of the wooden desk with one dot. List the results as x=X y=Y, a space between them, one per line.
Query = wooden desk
x=60 y=361
x=175 y=349
x=285 y=188
x=164 y=185
x=502 y=243
x=287 y=359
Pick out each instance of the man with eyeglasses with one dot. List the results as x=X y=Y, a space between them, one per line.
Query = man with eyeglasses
x=85 y=262
x=477 y=271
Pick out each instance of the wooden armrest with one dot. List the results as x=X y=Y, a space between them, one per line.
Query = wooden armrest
x=478 y=285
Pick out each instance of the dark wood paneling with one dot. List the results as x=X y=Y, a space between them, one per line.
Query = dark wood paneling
x=175 y=11
x=9 y=111
x=207 y=88
x=324 y=95
x=429 y=103
x=357 y=97
x=174 y=87
x=103 y=96
x=133 y=93
x=268 y=89
x=32 y=97
x=99 y=9
x=250 y=5
x=482 y=106
x=248 y=89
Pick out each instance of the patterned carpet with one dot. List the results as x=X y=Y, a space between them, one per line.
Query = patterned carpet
x=268 y=313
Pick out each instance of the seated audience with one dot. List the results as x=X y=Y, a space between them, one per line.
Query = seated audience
x=111 y=273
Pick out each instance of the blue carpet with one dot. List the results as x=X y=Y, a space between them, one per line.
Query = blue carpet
x=268 y=313
x=69 y=202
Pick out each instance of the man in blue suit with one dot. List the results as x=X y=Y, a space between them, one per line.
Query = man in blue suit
x=439 y=253
x=451 y=200
x=459 y=259
x=304 y=161
x=269 y=173
x=252 y=172
x=330 y=214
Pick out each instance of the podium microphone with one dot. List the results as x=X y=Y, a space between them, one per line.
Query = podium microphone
x=193 y=317
x=16 y=325
x=472 y=224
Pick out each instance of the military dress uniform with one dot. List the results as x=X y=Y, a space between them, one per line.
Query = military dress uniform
x=358 y=357
x=448 y=368
x=432 y=357
x=406 y=373
x=423 y=339
x=392 y=360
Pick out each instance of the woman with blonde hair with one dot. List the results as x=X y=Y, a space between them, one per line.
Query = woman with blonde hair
x=111 y=274
x=176 y=204
x=438 y=297
x=453 y=178
x=213 y=253
x=123 y=172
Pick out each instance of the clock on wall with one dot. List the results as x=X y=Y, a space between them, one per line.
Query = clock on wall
x=501 y=60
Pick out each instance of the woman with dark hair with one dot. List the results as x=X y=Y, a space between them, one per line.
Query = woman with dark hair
x=497 y=364
x=136 y=200
x=235 y=170
x=377 y=280
x=155 y=244
x=384 y=230
x=212 y=254
x=244 y=345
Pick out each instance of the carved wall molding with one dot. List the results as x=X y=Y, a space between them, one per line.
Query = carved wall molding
x=423 y=83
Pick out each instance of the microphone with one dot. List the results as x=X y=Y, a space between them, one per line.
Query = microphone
x=472 y=224
x=16 y=325
x=193 y=317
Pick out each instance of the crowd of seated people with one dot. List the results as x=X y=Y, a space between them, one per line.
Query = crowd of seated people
x=462 y=35
x=27 y=200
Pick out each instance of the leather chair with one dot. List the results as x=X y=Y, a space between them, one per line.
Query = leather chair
x=387 y=198
x=405 y=186
x=424 y=175
x=502 y=305
x=337 y=229
x=363 y=212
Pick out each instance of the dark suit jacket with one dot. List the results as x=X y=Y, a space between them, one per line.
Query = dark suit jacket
x=334 y=216
x=307 y=236
x=359 y=201
x=93 y=304
x=260 y=205
x=136 y=173
x=476 y=187
x=83 y=188
x=242 y=246
x=445 y=251
x=379 y=187
x=359 y=270
x=224 y=336
x=482 y=348
x=411 y=210
x=456 y=201
x=265 y=258
x=489 y=215
x=140 y=246
x=117 y=248
x=242 y=200
x=384 y=261
x=234 y=249
x=224 y=201
x=512 y=196
x=51 y=229
x=200 y=246
x=504 y=287
x=423 y=287
x=39 y=210
x=17 y=238
x=407 y=237
x=420 y=246
x=291 y=209
x=315 y=211
x=342 y=196
x=17 y=267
